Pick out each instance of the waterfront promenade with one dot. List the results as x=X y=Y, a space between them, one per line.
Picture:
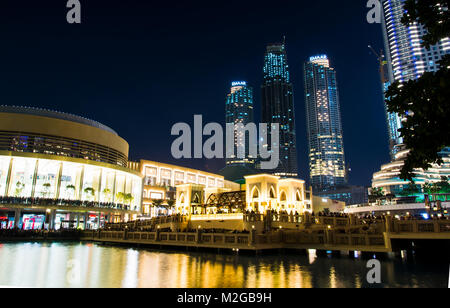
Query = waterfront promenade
x=16 y=235
x=339 y=233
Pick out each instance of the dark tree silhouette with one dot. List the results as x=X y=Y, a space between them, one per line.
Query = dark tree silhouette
x=425 y=102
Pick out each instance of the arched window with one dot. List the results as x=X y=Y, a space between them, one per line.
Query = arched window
x=272 y=194
x=182 y=199
x=283 y=196
x=196 y=199
x=255 y=193
x=298 y=196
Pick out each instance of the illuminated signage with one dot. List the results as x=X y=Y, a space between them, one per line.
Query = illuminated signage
x=321 y=57
x=239 y=84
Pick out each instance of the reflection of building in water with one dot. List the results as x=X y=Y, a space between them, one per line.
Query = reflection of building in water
x=43 y=265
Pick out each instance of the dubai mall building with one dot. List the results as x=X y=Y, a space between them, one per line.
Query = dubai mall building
x=59 y=170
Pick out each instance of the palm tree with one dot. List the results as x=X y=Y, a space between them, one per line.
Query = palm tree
x=128 y=198
x=46 y=189
x=171 y=204
x=120 y=197
x=107 y=194
x=376 y=193
x=70 y=190
x=90 y=192
x=19 y=188
x=157 y=202
x=444 y=185
x=431 y=188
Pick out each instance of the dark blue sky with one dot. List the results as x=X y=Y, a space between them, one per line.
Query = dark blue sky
x=142 y=66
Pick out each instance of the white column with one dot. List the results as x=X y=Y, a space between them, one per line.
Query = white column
x=99 y=185
x=8 y=177
x=33 y=185
x=58 y=181
x=114 y=187
x=79 y=189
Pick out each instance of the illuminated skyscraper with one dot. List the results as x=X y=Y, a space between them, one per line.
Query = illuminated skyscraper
x=278 y=107
x=406 y=59
x=326 y=146
x=393 y=120
x=239 y=110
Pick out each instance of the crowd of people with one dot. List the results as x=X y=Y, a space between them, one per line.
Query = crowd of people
x=38 y=234
x=330 y=214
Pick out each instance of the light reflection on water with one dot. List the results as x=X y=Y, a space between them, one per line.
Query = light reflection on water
x=92 y=265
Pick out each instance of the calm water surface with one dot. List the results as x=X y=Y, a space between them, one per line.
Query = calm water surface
x=92 y=265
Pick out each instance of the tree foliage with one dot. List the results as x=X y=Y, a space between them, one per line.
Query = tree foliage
x=442 y=187
x=157 y=202
x=120 y=197
x=171 y=203
x=410 y=190
x=425 y=102
x=432 y=15
x=376 y=193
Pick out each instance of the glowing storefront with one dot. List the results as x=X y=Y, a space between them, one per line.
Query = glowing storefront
x=59 y=170
x=161 y=180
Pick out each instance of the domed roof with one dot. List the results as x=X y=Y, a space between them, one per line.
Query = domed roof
x=56 y=115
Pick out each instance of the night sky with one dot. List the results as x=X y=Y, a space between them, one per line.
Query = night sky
x=142 y=66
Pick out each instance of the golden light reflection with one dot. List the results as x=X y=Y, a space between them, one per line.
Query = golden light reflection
x=41 y=274
x=333 y=280
x=357 y=282
x=131 y=271
x=46 y=265
x=312 y=256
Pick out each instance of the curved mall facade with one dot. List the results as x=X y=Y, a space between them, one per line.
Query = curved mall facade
x=59 y=170
x=388 y=178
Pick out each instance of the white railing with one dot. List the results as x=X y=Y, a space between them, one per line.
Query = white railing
x=393 y=207
x=234 y=216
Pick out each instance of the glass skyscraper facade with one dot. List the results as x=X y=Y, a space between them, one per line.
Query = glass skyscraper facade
x=239 y=110
x=406 y=58
x=324 y=127
x=278 y=107
x=393 y=120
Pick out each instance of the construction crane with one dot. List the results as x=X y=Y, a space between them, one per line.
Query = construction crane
x=380 y=56
x=385 y=81
x=383 y=65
